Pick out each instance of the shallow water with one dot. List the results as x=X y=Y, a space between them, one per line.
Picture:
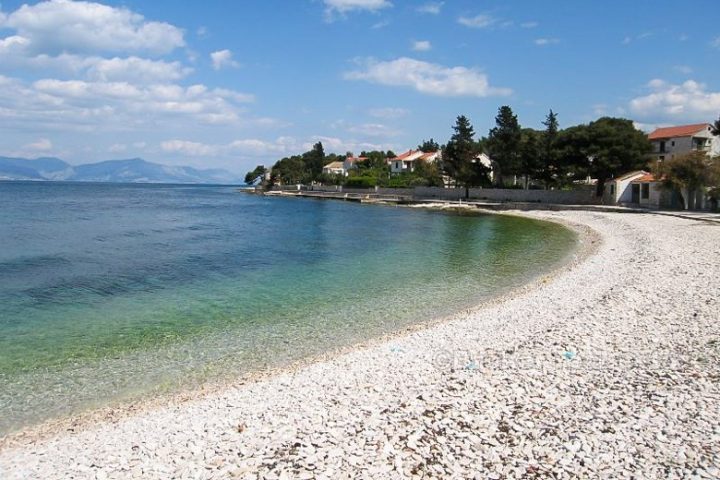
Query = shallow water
x=108 y=292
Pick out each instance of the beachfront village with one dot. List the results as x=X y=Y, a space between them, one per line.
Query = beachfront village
x=608 y=161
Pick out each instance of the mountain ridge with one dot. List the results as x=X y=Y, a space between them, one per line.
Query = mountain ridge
x=131 y=170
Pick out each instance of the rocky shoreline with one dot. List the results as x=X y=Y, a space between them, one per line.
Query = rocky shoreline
x=609 y=370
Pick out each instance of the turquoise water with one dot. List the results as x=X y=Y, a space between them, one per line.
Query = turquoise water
x=109 y=292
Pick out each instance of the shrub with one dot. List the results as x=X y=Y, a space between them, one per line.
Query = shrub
x=361 y=182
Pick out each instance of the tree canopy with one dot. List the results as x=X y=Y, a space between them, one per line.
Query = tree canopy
x=689 y=173
x=429 y=146
x=253 y=175
x=604 y=149
x=716 y=127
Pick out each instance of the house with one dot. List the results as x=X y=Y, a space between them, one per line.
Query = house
x=405 y=162
x=668 y=142
x=619 y=192
x=334 y=168
x=344 y=167
x=643 y=189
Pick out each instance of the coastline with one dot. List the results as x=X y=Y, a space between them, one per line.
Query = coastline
x=455 y=369
x=587 y=243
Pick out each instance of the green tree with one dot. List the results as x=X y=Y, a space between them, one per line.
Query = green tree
x=458 y=159
x=714 y=190
x=530 y=151
x=253 y=175
x=716 y=127
x=548 y=168
x=688 y=175
x=427 y=174
x=291 y=171
x=315 y=161
x=504 y=144
x=604 y=149
x=429 y=146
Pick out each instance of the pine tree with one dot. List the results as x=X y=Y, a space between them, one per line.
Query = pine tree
x=459 y=156
x=429 y=146
x=549 y=167
x=504 y=144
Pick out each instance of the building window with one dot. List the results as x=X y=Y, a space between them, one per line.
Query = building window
x=645 y=191
x=672 y=143
x=612 y=189
x=662 y=147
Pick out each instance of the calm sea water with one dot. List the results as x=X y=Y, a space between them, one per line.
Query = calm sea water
x=109 y=292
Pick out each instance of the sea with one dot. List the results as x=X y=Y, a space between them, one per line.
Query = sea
x=111 y=293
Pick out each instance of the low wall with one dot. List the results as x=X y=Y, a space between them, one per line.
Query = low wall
x=439 y=192
x=407 y=192
x=584 y=195
x=580 y=196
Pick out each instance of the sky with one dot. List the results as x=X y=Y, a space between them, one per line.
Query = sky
x=218 y=84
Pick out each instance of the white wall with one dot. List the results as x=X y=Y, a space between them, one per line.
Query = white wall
x=684 y=145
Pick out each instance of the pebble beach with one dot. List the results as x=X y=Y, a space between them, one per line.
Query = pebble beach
x=608 y=368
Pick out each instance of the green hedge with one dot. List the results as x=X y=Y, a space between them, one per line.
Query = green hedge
x=361 y=182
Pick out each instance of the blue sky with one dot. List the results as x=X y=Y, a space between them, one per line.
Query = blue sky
x=234 y=84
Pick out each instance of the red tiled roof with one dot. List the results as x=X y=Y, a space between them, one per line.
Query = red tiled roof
x=429 y=156
x=405 y=155
x=647 y=178
x=628 y=175
x=679 y=131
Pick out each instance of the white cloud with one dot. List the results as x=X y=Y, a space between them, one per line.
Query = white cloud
x=433 y=8
x=546 y=41
x=421 y=45
x=689 y=101
x=387 y=112
x=715 y=43
x=342 y=7
x=253 y=147
x=338 y=145
x=380 y=24
x=223 y=58
x=136 y=69
x=684 y=69
x=428 y=78
x=373 y=130
x=478 y=21
x=56 y=26
x=248 y=147
x=117 y=148
x=113 y=106
x=185 y=147
x=42 y=145
x=529 y=24
x=600 y=109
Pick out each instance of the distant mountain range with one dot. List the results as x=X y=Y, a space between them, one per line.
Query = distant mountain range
x=135 y=170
